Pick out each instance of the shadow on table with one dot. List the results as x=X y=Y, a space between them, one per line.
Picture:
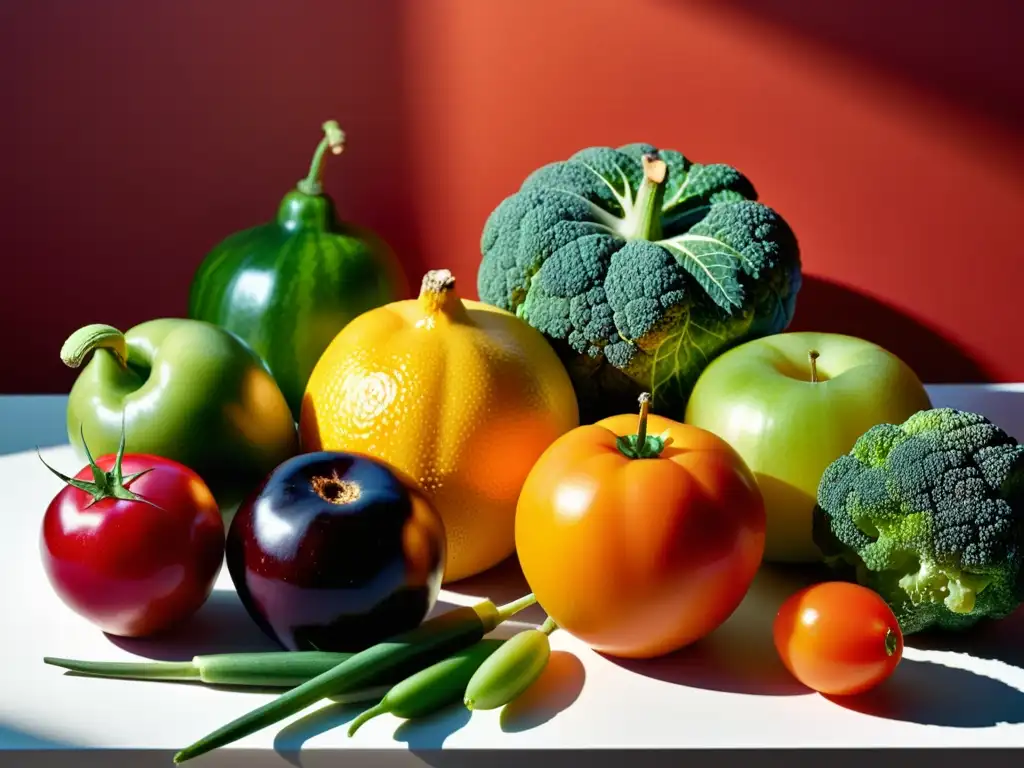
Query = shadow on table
x=929 y=693
x=555 y=690
x=290 y=739
x=740 y=656
x=995 y=640
x=558 y=687
x=222 y=625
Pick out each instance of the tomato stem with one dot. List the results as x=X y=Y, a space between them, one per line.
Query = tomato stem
x=641 y=427
x=105 y=485
x=812 y=359
x=334 y=139
x=641 y=445
x=891 y=641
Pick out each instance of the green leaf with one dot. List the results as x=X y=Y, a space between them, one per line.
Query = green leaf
x=684 y=353
x=713 y=263
x=695 y=184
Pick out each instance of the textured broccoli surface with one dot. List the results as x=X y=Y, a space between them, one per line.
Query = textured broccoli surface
x=639 y=283
x=930 y=514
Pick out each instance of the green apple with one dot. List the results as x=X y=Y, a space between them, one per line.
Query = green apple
x=793 y=403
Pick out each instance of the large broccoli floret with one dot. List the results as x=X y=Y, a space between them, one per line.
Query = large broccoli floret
x=640 y=266
x=930 y=514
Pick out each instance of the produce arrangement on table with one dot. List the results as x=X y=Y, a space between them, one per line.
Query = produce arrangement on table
x=623 y=410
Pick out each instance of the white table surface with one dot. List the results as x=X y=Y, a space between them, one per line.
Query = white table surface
x=728 y=691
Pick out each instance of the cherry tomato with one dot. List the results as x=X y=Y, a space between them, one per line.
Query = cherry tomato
x=635 y=546
x=838 y=638
x=133 y=566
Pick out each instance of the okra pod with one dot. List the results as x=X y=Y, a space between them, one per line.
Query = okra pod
x=431 y=688
x=513 y=668
x=428 y=643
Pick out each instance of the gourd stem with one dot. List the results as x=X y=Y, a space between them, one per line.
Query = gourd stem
x=644 y=221
x=438 y=297
x=812 y=359
x=90 y=338
x=334 y=139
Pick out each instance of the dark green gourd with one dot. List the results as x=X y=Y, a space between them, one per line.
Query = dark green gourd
x=288 y=286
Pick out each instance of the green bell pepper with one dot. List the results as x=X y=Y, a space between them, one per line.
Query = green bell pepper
x=287 y=287
x=185 y=390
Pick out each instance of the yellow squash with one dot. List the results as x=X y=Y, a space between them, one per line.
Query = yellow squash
x=459 y=395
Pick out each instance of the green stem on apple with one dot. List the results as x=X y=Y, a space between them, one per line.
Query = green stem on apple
x=812 y=357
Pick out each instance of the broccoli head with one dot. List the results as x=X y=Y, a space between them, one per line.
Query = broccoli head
x=640 y=266
x=929 y=514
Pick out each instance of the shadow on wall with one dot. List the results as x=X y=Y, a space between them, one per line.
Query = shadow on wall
x=964 y=53
x=260 y=79
x=830 y=307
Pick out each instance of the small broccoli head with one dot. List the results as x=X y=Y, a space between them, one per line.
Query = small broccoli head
x=930 y=514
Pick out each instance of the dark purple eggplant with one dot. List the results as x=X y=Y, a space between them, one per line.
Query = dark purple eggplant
x=336 y=552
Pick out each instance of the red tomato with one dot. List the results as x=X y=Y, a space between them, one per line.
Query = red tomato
x=638 y=557
x=129 y=567
x=838 y=638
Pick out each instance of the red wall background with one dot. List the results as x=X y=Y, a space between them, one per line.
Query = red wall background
x=888 y=132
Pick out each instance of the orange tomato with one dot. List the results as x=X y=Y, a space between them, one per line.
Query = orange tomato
x=638 y=557
x=838 y=638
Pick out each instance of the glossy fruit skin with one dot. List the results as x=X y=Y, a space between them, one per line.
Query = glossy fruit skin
x=191 y=392
x=639 y=557
x=461 y=396
x=832 y=638
x=288 y=286
x=129 y=568
x=318 y=575
x=758 y=397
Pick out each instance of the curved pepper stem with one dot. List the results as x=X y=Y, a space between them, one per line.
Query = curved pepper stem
x=90 y=338
x=334 y=140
